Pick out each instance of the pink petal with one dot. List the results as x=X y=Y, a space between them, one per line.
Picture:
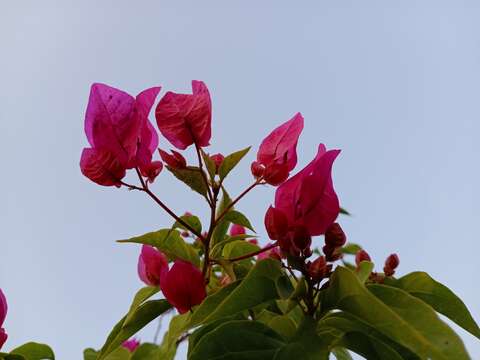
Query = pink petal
x=280 y=145
x=152 y=265
x=131 y=344
x=148 y=140
x=101 y=167
x=185 y=119
x=3 y=307
x=309 y=197
x=109 y=123
x=183 y=286
x=237 y=230
x=3 y=337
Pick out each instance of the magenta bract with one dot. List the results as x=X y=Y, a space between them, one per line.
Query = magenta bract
x=131 y=344
x=152 y=265
x=176 y=160
x=237 y=230
x=278 y=151
x=119 y=133
x=3 y=315
x=183 y=286
x=185 y=119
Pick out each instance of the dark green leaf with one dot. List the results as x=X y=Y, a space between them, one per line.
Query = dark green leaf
x=178 y=325
x=170 y=242
x=34 y=351
x=146 y=351
x=236 y=217
x=191 y=176
x=438 y=296
x=143 y=315
x=231 y=161
x=258 y=287
x=222 y=227
x=191 y=220
x=395 y=313
x=209 y=163
x=238 y=339
x=341 y=354
x=364 y=270
x=140 y=297
x=344 y=212
x=90 y=354
x=238 y=248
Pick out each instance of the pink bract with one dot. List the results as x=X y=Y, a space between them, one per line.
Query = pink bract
x=183 y=286
x=237 y=230
x=131 y=344
x=3 y=315
x=152 y=265
x=185 y=119
x=308 y=198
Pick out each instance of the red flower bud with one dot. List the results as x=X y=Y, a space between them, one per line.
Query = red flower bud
x=152 y=265
x=318 y=269
x=237 y=230
x=257 y=169
x=253 y=241
x=176 y=161
x=391 y=264
x=335 y=237
x=151 y=170
x=362 y=255
x=331 y=253
x=276 y=223
x=300 y=238
x=217 y=159
x=183 y=286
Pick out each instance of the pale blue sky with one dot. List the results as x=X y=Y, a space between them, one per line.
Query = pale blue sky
x=394 y=84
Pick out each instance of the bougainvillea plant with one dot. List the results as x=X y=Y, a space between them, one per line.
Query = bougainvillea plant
x=306 y=294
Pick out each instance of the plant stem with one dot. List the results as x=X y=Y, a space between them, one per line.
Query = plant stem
x=204 y=176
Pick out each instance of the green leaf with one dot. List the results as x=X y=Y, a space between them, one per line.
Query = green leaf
x=222 y=227
x=231 y=161
x=238 y=248
x=364 y=270
x=169 y=242
x=395 y=313
x=344 y=212
x=146 y=351
x=363 y=339
x=209 y=163
x=90 y=354
x=236 y=217
x=140 y=297
x=258 y=287
x=34 y=351
x=191 y=176
x=178 y=325
x=351 y=248
x=438 y=296
x=143 y=315
x=238 y=340
x=341 y=354
x=191 y=220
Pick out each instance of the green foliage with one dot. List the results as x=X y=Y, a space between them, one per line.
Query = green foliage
x=438 y=296
x=236 y=217
x=178 y=325
x=191 y=220
x=364 y=270
x=169 y=242
x=222 y=227
x=30 y=351
x=141 y=316
x=209 y=164
x=351 y=248
x=398 y=315
x=231 y=161
x=192 y=177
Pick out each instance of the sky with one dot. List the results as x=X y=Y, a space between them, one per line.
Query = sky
x=395 y=85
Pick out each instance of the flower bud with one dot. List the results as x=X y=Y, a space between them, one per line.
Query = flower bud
x=237 y=230
x=300 y=238
x=152 y=265
x=318 y=269
x=331 y=253
x=185 y=234
x=253 y=241
x=131 y=344
x=362 y=255
x=183 y=286
x=217 y=159
x=176 y=161
x=335 y=237
x=151 y=170
x=391 y=264
x=272 y=254
x=257 y=169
